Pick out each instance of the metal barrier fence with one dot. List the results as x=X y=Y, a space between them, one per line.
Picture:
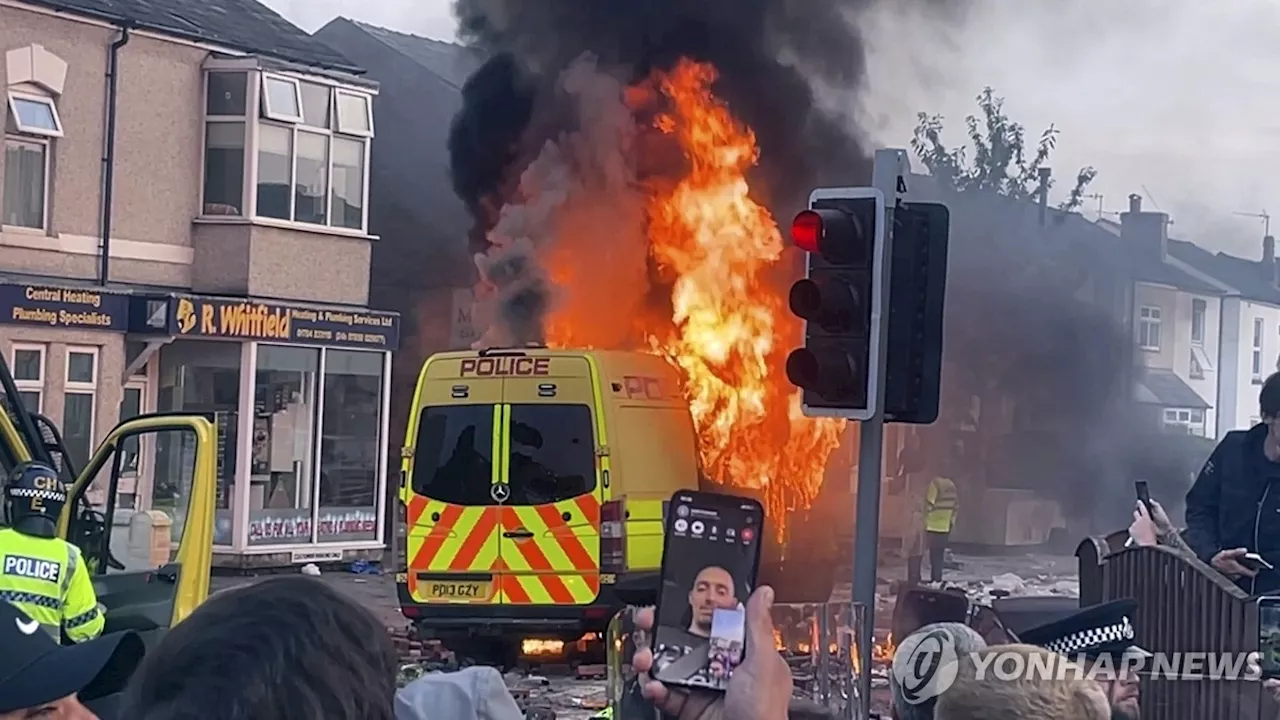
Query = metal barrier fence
x=1184 y=606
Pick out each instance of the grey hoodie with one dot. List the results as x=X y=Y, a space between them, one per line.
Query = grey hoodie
x=474 y=693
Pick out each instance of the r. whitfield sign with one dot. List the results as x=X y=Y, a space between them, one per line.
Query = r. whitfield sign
x=275 y=322
x=63 y=307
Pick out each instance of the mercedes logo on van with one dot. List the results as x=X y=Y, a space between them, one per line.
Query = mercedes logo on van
x=500 y=492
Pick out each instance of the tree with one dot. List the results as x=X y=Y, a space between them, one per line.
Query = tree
x=999 y=163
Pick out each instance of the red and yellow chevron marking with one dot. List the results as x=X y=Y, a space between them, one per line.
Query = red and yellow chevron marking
x=560 y=564
x=464 y=539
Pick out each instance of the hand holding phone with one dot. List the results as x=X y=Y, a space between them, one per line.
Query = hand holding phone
x=711 y=555
x=1144 y=494
x=1255 y=562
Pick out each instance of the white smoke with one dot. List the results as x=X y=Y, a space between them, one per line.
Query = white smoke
x=578 y=210
x=1170 y=99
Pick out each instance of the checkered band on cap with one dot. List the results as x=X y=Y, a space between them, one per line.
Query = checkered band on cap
x=50 y=495
x=1085 y=640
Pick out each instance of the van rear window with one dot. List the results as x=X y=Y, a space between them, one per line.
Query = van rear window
x=553 y=453
x=453 y=456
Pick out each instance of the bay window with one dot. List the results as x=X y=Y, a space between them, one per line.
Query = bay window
x=286 y=148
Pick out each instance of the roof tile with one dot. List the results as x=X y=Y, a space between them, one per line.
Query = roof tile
x=245 y=25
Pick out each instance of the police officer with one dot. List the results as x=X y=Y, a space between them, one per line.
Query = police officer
x=40 y=573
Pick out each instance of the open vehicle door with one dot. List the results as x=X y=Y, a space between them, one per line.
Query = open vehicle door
x=153 y=571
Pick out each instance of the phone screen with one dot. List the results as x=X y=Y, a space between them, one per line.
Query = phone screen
x=1269 y=636
x=1144 y=494
x=709 y=565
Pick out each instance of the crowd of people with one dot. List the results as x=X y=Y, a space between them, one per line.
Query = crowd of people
x=292 y=647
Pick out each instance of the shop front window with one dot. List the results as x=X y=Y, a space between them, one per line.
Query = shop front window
x=282 y=454
x=349 y=446
x=199 y=376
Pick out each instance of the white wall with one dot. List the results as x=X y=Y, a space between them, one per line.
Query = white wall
x=1240 y=386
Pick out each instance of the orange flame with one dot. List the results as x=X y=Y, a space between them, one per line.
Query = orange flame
x=883 y=651
x=732 y=330
x=728 y=330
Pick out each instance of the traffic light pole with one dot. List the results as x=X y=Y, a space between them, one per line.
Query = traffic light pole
x=889 y=177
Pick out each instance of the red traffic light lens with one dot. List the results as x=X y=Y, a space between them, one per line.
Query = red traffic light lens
x=806 y=230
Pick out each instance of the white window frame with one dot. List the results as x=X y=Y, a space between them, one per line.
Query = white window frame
x=1203 y=307
x=257 y=114
x=251 y=89
x=1184 y=418
x=46 y=148
x=11 y=101
x=70 y=387
x=274 y=114
x=35 y=386
x=338 y=123
x=1150 y=317
x=1256 y=366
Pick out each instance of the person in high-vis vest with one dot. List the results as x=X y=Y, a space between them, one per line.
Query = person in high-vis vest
x=41 y=574
x=940 y=506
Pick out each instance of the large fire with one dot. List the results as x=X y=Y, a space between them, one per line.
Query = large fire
x=731 y=327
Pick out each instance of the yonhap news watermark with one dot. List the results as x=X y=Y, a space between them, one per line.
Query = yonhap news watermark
x=933 y=666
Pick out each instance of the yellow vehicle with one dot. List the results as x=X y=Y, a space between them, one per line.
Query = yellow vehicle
x=153 y=572
x=510 y=458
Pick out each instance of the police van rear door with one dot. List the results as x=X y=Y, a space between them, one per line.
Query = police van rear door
x=451 y=511
x=150 y=564
x=551 y=508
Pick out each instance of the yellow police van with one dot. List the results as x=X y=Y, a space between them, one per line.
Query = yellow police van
x=511 y=458
x=145 y=580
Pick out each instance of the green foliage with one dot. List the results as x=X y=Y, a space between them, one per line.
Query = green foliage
x=1000 y=161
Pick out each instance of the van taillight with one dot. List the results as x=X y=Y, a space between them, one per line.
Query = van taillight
x=613 y=543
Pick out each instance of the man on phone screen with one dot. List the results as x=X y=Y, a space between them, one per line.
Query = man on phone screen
x=1233 y=509
x=684 y=655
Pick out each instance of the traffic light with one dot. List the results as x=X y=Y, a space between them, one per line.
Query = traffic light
x=839 y=300
x=917 y=290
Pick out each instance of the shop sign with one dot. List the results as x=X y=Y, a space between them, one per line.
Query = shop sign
x=281 y=527
x=63 y=307
x=276 y=322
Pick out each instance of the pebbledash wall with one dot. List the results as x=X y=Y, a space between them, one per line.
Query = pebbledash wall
x=299 y=392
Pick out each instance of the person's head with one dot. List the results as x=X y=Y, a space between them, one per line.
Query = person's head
x=1120 y=681
x=713 y=589
x=1067 y=695
x=40 y=679
x=962 y=638
x=1269 y=405
x=287 y=647
x=34 y=498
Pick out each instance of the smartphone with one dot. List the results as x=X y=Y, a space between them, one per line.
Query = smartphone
x=1269 y=636
x=1254 y=561
x=710 y=560
x=1144 y=494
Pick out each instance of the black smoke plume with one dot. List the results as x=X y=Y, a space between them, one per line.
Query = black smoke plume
x=763 y=49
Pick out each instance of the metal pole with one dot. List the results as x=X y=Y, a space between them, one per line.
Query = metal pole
x=888 y=176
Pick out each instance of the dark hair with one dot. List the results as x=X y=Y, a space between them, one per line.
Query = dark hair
x=287 y=648
x=1269 y=398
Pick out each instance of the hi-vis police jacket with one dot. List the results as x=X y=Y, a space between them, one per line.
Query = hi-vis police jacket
x=941 y=502
x=47 y=579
